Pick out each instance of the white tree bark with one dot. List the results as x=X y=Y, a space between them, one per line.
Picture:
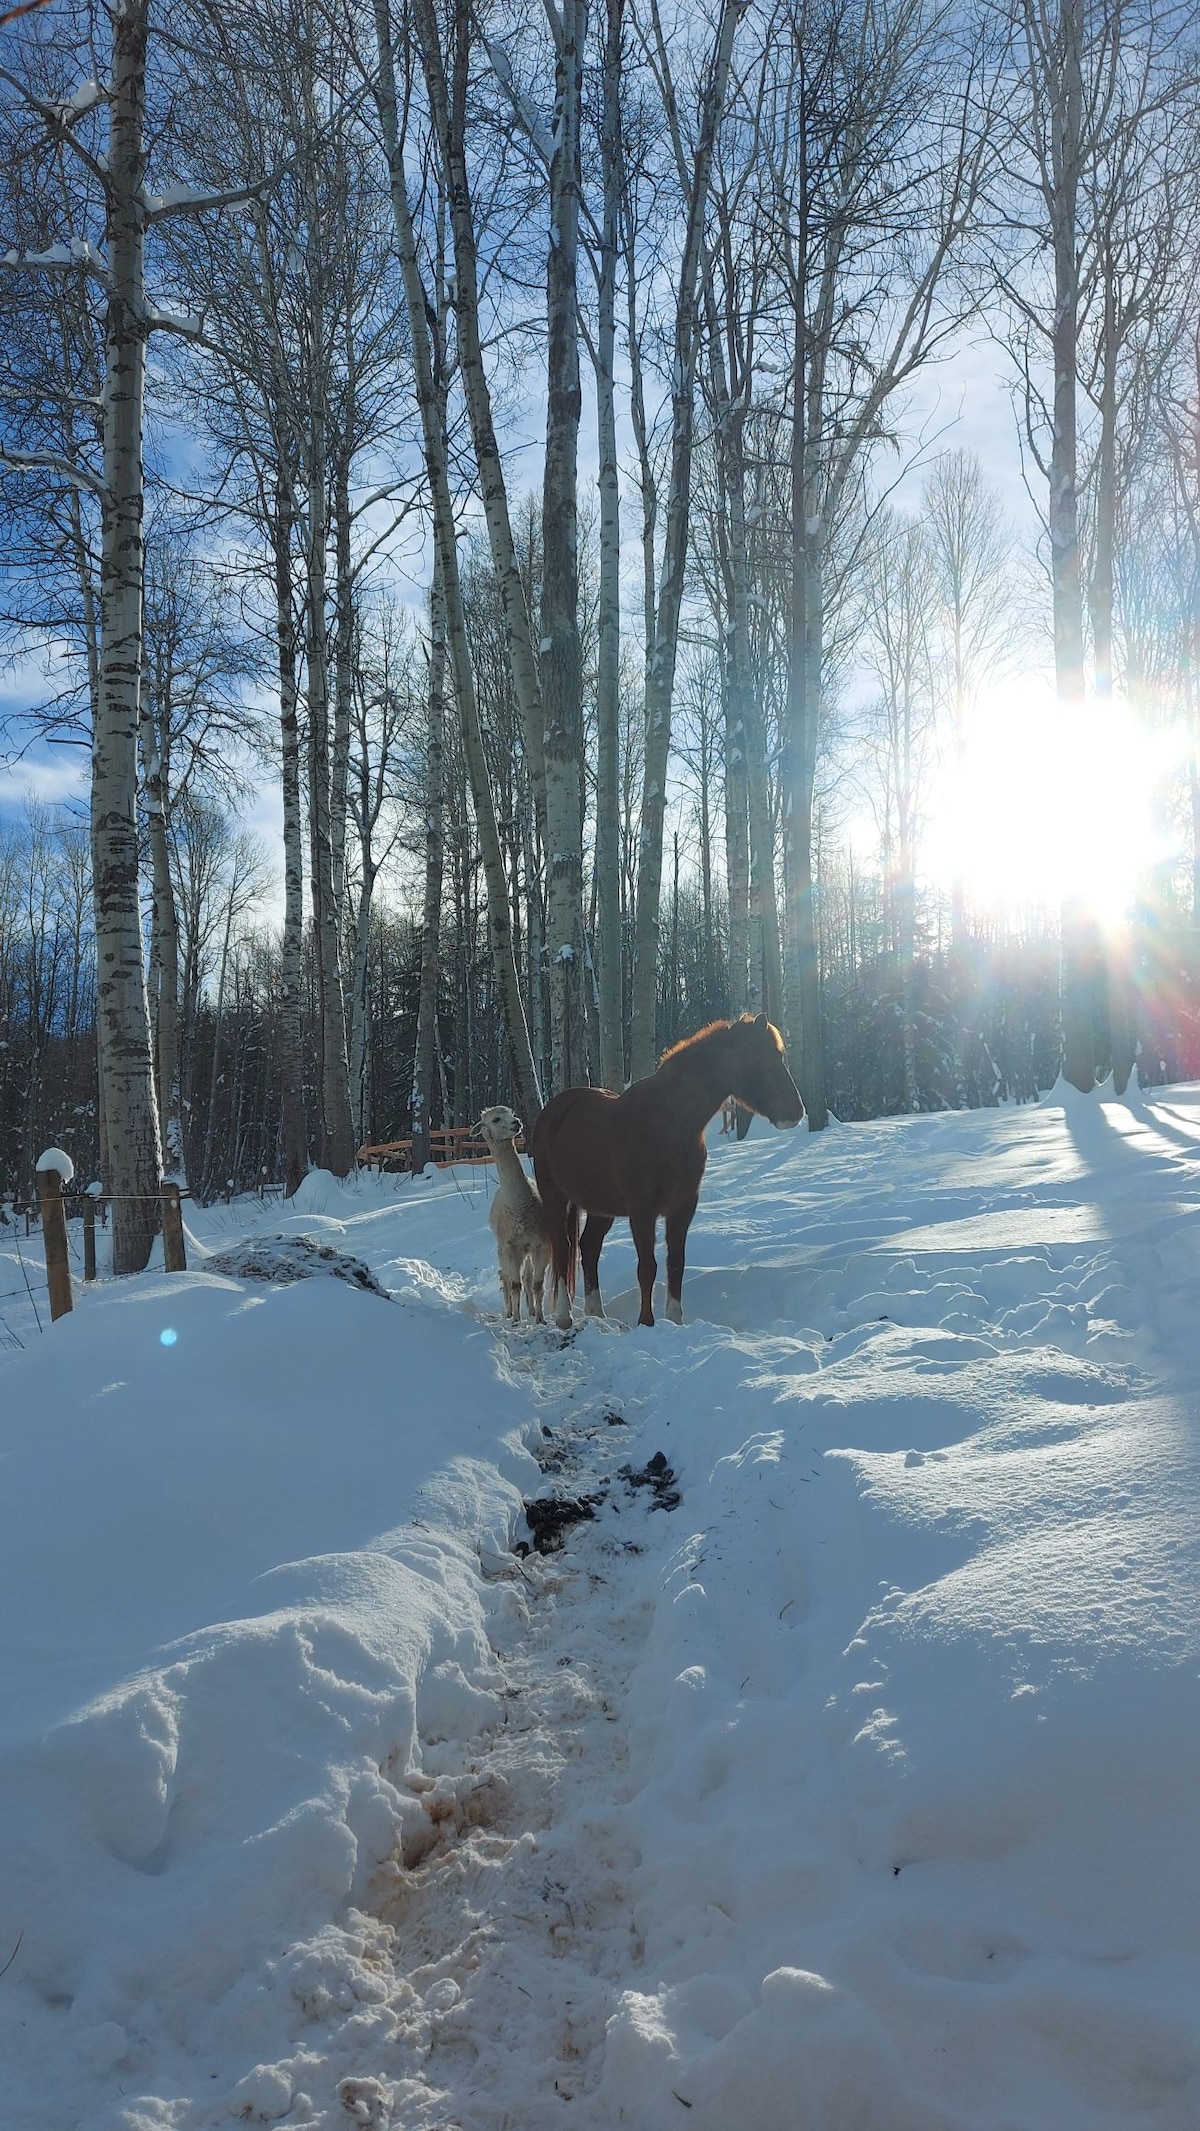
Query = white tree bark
x=561 y=676
x=660 y=677
x=608 y=681
x=123 y=1022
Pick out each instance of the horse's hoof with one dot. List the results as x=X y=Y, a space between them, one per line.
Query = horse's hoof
x=674 y=1311
x=592 y=1304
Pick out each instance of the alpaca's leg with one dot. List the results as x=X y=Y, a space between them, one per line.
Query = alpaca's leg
x=533 y=1303
x=595 y=1229
x=643 y=1226
x=510 y=1279
x=534 y=1269
x=678 y=1224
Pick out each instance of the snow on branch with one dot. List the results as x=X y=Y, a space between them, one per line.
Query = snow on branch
x=187 y=323
x=79 y=253
x=530 y=123
x=188 y=199
x=51 y=462
x=85 y=99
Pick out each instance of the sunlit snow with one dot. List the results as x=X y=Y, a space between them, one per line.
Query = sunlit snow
x=854 y=1792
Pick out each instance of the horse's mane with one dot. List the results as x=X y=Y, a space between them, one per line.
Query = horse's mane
x=715 y=1028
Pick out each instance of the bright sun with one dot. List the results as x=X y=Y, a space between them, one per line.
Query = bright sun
x=1051 y=802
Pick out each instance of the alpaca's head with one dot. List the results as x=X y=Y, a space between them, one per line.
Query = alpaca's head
x=499 y=1124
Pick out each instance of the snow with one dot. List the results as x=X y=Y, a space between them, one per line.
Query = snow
x=853 y=1790
x=55 y=1163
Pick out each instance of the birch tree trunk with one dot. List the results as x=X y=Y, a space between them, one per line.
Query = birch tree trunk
x=122 y=1015
x=560 y=650
x=660 y=678
x=805 y=657
x=608 y=680
x=291 y=953
x=1063 y=80
x=337 y=1146
x=431 y=908
x=156 y=788
x=360 y=1001
x=449 y=117
x=343 y=670
x=756 y=974
x=437 y=471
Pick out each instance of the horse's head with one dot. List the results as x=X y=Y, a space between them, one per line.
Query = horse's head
x=760 y=1078
x=499 y=1124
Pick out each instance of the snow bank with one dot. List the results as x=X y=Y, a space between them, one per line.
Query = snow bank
x=188 y=1806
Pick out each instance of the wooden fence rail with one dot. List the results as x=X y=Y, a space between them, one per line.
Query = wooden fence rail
x=454 y=1143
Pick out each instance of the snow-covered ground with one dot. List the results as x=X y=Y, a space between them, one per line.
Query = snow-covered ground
x=841 y=1777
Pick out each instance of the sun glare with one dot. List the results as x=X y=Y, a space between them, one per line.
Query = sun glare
x=1052 y=802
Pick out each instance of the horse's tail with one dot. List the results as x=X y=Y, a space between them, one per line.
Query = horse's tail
x=562 y=1218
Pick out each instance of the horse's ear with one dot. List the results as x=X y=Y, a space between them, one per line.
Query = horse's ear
x=761 y=1022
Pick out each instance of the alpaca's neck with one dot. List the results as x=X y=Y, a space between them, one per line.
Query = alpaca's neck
x=511 y=1181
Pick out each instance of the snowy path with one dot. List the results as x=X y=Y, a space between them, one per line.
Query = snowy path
x=854 y=1793
x=522 y=1928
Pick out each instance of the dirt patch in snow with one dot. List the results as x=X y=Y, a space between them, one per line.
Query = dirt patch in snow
x=283 y=1259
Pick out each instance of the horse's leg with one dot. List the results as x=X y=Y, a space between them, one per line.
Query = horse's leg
x=557 y=1210
x=595 y=1229
x=643 y=1226
x=678 y=1224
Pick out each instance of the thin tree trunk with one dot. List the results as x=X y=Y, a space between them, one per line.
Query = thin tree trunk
x=445 y=535
x=360 y=999
x=805 y=655
x=560 y=648
x=431 y=910
x=337 y=1126
x=660 y=679
x=156 y=785
x=122 y=1015
x=449 y=116
x=343 y=675
x=1066 y=112
x=608 y=680
x=291 y=950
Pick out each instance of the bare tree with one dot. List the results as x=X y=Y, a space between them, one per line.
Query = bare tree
x=970 y=554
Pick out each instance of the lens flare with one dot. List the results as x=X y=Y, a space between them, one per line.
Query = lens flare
x=167 y=1338
x=1052 y=800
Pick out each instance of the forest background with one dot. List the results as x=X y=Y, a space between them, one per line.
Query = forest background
x=659 y=513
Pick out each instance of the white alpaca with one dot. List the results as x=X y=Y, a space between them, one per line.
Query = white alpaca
x=516 y=1218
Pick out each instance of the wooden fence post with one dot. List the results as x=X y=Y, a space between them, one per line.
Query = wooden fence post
x=89 y=1236
x=54 y=1240
x=174 y=1255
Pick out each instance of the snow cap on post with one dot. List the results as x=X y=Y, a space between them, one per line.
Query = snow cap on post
x=55 y=1159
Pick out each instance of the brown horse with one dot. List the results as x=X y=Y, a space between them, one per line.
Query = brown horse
x=642 y=1154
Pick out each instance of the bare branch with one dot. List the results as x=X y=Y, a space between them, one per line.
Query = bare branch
x=50 y=462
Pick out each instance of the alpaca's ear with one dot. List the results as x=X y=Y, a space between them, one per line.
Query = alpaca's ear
x=517 y=1126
